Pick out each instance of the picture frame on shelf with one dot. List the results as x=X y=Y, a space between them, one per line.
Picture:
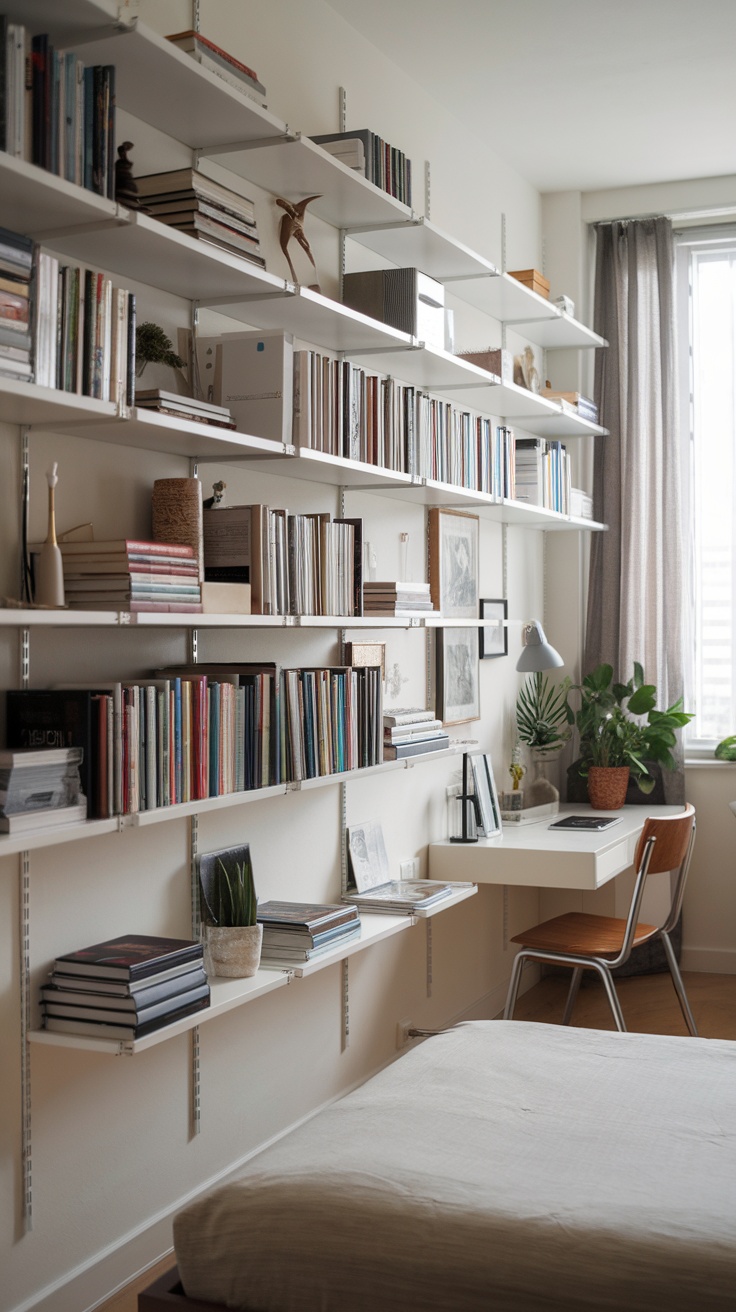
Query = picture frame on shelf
x=453 y=562
x=458 y=691
x=487 y=809
x=493 y=642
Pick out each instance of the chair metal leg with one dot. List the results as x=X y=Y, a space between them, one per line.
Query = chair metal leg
x=679 y=986
x=577 y=975
x=514 y=986
x=614 y=1003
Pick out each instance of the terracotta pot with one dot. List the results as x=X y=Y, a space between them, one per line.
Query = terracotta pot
x=234 y=952
x=607 y=786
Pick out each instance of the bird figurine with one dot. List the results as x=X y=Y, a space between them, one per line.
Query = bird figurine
x=292 y=227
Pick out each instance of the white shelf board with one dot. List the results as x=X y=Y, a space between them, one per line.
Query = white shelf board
x=65 y=23
x=11 y=844
x=565 y=425
x=226 y=995
x=297 y=167
x=148 y=251
x=28 y=403
x=318 y=319
x=163 y=86
x=319 y=467
x=373 y=928
x=30 y=193
x=503 y=297
x=149 y=430
x=419 y=244
x=162 y=814
x=561 y=333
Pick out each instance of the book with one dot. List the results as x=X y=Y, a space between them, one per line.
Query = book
x=213 y=56
x=398 y=716
x=111 y=1030
x=400 y=895
x=406 y=733
x=586 y=822
x=131 y=1010
x=59 y=719
x=273 y=953
x=399 y=751
x=129 y=957
x=129 y=547
x=313 y=917
x=300 y=940
x=21 y=822
x=81 y=991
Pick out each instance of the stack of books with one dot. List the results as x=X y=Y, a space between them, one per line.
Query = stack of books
x=400 y=599
x=133 y=576
x=191 y=202
x=298 y=931
x=383 y=164
x=184 y=407
x=126 y=987
x=542 y=473
x=581 y=504
x=574 y=403
x=412 y=732
x=221 y=62
x=40 y=788
x=16 y=266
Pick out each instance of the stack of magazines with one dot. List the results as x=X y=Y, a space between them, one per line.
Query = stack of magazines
x=39 y=788
x=297 y=931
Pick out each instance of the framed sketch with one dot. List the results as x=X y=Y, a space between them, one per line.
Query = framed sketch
x=458 y=697
x=487 y=810
x=367 y=855
x=493 y=641
x=453 y=563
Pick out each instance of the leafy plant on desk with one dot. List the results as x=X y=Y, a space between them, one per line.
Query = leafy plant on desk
x=619 y=725
x=541 y=714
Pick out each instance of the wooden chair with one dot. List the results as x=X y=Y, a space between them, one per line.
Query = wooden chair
x=601 y=943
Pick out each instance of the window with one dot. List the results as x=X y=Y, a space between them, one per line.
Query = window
x=707 y=318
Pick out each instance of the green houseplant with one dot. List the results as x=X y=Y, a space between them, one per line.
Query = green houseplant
x=542 y=725
x=229 y=911
x=621 y=730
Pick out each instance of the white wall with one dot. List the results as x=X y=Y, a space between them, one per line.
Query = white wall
x=112 y=1153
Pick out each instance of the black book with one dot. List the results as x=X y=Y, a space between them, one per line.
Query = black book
x=129 y=957
x=164 y=984
x=118 y=1011
x=130 y=376
x=586 y=822
x=103 y=1030
x=61 y=717
x=40 y=100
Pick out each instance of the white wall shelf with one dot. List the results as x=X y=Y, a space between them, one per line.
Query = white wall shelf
x=29 y=403
x=150 y=430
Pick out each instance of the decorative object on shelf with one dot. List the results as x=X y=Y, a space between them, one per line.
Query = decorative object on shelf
x=573 y=402
x=615 y=736
x=291 y=228
x=176 y=514
x=453 y=563
x=49 y=570
x=533 y=279
x=526 y=373
x=406 y=299
x=252 y=375
x=488 y=812
x=495 y=360
x=126 y=187
x=218 y=495
x=370 y=564
x=493 y=641
x=542 y=719
x=458 y=693
x=366 y=653
x=229 y=905
x=152 y=346
x=566 y=304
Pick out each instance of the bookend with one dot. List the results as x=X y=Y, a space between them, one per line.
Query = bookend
x=469 y=805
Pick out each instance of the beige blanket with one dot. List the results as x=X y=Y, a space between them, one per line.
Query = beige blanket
x=501 y=1166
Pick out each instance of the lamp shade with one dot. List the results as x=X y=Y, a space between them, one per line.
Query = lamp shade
x=537 y=654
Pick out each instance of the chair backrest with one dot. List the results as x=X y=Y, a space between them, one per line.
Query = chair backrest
x=666 y=843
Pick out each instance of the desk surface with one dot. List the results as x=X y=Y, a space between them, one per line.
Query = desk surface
x=540 y=857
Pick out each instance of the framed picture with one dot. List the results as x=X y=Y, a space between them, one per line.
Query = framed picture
x=458 y=697
x=493 y=641
x=453 y=563
x=487 y=810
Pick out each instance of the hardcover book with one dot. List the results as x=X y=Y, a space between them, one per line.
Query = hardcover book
x=130 y=956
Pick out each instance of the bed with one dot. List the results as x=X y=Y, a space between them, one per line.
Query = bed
x=500 y=1165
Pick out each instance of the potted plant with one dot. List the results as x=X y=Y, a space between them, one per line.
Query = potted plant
x=153 y=346
x=542 y=724
x=621 y=733
x=233 y=936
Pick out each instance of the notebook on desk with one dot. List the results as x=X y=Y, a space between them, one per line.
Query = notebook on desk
x=586 y=822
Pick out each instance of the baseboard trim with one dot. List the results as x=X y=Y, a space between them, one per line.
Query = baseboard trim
x=712 y=961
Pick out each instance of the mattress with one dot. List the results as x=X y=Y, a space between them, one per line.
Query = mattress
x=501 y=1165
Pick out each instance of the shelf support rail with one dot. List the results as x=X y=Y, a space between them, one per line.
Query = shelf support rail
x=196 y=1106
x=25 y=1026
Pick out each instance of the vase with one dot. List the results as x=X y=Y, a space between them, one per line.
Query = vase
x=607 y=786
x=49 y=569
x=539 y=790
x=235 y=951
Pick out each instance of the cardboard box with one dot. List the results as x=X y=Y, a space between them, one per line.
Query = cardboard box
x=532 y=279
x=226 y=598
x=402 y=298
x=255 y=371
x=496 y=362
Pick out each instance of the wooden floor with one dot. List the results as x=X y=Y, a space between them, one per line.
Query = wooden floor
x=649 y=1005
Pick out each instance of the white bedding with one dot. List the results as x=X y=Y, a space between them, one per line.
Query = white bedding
x=499 y=1166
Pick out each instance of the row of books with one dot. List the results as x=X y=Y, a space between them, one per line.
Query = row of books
x=543 y=473
x=382 y=164
x=346 y=411
x=205 y=731
x=191 y=202
x=16 y=277
x=55 y=111
x=131 y=576
x=295 y=932
x=296 y=564
x=40 y=788
x=126 y=987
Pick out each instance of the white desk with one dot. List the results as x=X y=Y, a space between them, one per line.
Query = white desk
x=540 y=857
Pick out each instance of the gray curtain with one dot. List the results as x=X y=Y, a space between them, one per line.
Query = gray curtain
x=635 y=587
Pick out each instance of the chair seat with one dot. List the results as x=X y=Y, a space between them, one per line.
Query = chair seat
x=581 y=934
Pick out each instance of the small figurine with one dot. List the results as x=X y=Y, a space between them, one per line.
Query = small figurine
x=292 y=226
x=218 y=492
x=126 y=187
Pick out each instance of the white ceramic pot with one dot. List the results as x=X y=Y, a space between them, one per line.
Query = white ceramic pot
x=234 y=952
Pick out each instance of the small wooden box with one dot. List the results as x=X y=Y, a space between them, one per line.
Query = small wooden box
x=532 y=279
x=496 y=362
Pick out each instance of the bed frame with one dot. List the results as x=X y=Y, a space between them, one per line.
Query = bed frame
x=166 y=1295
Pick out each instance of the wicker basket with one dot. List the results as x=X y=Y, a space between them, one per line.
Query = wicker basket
x=607 y=786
